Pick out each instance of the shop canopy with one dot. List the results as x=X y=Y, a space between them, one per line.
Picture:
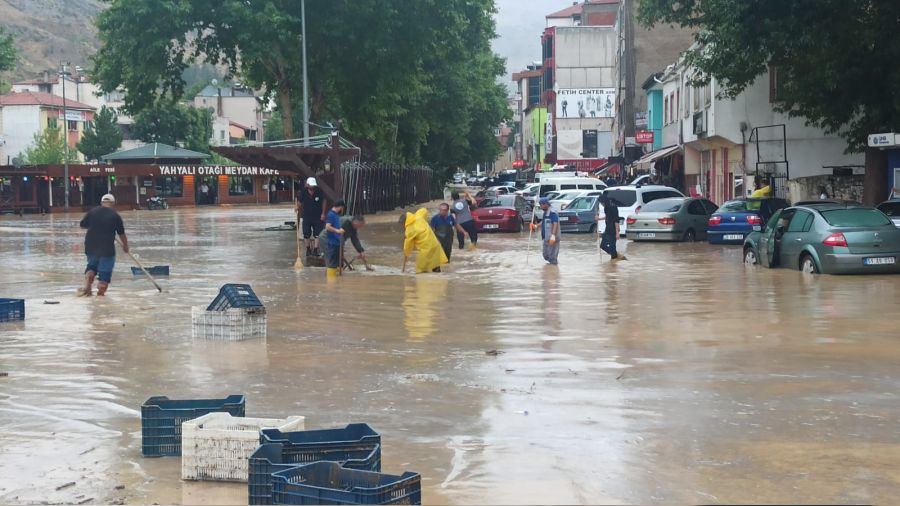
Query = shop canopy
x=646 y=160
x=156 y=153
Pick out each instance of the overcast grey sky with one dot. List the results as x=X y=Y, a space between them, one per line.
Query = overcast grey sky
x=519 y=25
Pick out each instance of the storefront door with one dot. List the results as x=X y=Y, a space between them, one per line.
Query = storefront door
x=207 y=189
x=94 y=190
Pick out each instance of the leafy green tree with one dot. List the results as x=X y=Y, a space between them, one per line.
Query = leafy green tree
x=834 y=59
x=171 y=123
x=8 y=56
x=103 y=138
x=48 y=149
x=386 y=70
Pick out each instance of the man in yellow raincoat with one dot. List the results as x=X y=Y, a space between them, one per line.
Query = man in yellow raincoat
x=419 y=236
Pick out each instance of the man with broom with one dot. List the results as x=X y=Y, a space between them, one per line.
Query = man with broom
x=102 y=224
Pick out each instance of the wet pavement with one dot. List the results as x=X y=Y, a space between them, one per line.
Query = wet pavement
x=677 y=376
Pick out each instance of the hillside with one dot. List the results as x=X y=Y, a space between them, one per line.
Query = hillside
x=50 y=31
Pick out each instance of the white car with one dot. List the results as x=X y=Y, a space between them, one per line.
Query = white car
x=629 y=199
x=503 y=190
x=565 y=198
x=530 y=191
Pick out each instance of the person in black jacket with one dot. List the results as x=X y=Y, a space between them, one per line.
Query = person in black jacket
x=102 y=224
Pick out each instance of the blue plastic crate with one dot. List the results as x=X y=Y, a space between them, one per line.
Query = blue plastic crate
x=12 y=310
x=161 y=420
x=356 y=446
x=329 y=483
x=234 y=296
x=156 y=270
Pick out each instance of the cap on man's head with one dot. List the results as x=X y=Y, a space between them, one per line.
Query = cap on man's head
x=311 y=181
x=108 y=199
x=544 y=201
x=340 y=203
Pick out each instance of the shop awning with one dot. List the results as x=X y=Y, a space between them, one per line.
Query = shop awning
x=649 y=158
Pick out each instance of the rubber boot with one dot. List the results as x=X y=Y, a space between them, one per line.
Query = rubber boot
x=332 y=272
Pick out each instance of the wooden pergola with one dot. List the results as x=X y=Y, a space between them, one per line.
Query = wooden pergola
x=320 y=157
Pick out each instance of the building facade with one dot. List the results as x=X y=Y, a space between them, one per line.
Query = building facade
x=238 y=115
x=29 y=113
x=531 y=116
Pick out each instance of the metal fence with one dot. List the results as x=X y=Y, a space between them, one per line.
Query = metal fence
x=372 y=187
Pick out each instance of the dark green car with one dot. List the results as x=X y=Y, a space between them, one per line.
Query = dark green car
x=827 y=238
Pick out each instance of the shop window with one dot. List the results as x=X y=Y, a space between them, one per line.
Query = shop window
x=51 y=122
x=240 y=185
x=73 y=125
x=170 y=186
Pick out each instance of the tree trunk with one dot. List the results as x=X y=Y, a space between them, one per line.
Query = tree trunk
x=287 y=111
x=875 y=188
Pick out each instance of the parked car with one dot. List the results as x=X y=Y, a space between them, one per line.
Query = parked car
x=827 y=238
x=503 y=190
x=484 y=194
x=561 y=184
x=502 y=213
x=580 y=215
x=672 y=219
x=530 y=191
x=736 y=219
x=892 y=209
x=630 y=199
x=564 y=198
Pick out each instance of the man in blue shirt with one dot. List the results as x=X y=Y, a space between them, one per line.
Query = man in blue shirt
x=444 y=225
x=334 y=234
x=549 y=232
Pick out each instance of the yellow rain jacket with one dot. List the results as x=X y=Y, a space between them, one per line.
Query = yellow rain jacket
x=765 y=191
x=419 y=236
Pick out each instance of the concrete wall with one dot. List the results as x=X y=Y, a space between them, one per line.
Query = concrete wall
x=654 y=49
x=838 y=187
x=243 y=110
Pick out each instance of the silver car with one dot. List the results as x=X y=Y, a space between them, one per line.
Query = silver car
x=671 y=219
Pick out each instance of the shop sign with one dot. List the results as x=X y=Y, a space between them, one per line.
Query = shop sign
x=644 y=137
x=102 y=170
x=214 y=170
x=882 y=140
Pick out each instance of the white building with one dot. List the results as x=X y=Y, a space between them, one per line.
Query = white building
x=237 y=114
x=26 y=114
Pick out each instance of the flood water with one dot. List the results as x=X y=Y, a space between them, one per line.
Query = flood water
x=676 y=376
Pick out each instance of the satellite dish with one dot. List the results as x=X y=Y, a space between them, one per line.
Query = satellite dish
x=17 y=162
x=214 y=82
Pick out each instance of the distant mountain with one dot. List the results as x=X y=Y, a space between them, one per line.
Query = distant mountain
x=50 y=31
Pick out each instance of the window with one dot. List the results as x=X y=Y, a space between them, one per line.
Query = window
x=664 y=194
x=665 y=110
x=589 y=144
x=677 y=103
x=776 y=85
x=798 y=223
x=51 y=123
x=859 y=217
x=585 y=187
x=696 y=208
x=707 y=93
x=169 y=186
x=240 y=185
x=710 y=207
x=671 y=107
x=534 y=91
x=622 y=198
x=73 y=125
x=567 y=186
x=687 y=101
x=663 y=206
x=890 y=208
x=582 y=204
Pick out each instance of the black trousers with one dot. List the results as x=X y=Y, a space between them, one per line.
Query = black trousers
x=469 y=227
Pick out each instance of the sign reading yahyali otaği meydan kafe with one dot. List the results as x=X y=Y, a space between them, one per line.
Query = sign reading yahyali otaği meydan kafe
x=586 y=103
x=215 y=170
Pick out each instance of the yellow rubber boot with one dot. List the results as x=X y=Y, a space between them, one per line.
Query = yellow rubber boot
x=332 y=272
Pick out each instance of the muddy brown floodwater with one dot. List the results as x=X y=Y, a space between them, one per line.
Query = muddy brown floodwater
x=677 y=376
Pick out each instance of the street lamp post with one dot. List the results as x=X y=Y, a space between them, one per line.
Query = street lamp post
x=305 y=85
x=65 y=127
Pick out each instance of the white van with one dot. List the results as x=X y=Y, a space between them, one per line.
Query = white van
x=570 y=183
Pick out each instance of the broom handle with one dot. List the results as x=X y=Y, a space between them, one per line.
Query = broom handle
x=135 y=260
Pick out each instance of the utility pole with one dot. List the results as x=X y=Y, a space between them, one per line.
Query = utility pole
x=305 y=83
x=65 y=127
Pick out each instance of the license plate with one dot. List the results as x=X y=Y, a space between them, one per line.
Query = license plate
x=646 y=235
x=491 y=227
x=757 y=228
x=879 y=261
x=734 y=237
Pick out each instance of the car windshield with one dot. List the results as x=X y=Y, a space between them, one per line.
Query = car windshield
x=497 y=202
x=568 y=195
x=663 y=206
x=622 y=198
x=855 y=217
x=582 y=204
x=552 y=196
x=740 y=206
x=891 y=209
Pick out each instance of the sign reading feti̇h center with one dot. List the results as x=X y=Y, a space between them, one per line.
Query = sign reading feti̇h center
x=586 y=103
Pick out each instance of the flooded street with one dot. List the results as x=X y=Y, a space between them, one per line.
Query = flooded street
x=677 y=376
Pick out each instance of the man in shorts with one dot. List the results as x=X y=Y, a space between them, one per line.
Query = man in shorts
x=312 y=207
x=102 y=224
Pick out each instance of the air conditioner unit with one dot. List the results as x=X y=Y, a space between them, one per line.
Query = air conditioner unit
x=700 y=123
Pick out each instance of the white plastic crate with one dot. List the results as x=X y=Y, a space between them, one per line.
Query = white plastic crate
x=235 y=324
x=217 y=446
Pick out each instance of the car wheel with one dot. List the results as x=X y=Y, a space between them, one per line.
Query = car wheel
x=690 y=236
x=808 y=265
x=750 y=256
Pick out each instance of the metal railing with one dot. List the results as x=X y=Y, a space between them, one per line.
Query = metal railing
x=372 y=187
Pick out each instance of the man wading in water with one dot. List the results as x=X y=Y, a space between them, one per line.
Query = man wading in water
x=444 y=225
x=102 y=224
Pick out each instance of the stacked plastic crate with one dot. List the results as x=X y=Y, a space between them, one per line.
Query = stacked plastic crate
x=12 y=310
x=235 y=314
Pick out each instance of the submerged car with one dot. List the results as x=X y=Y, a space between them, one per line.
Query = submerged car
x=672 y=219
x=580 y=215
x=827 y=238
x=631 y=199
x=503 y=213
x=736 y=219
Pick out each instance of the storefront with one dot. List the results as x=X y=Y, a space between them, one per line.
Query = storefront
x=28 y=189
